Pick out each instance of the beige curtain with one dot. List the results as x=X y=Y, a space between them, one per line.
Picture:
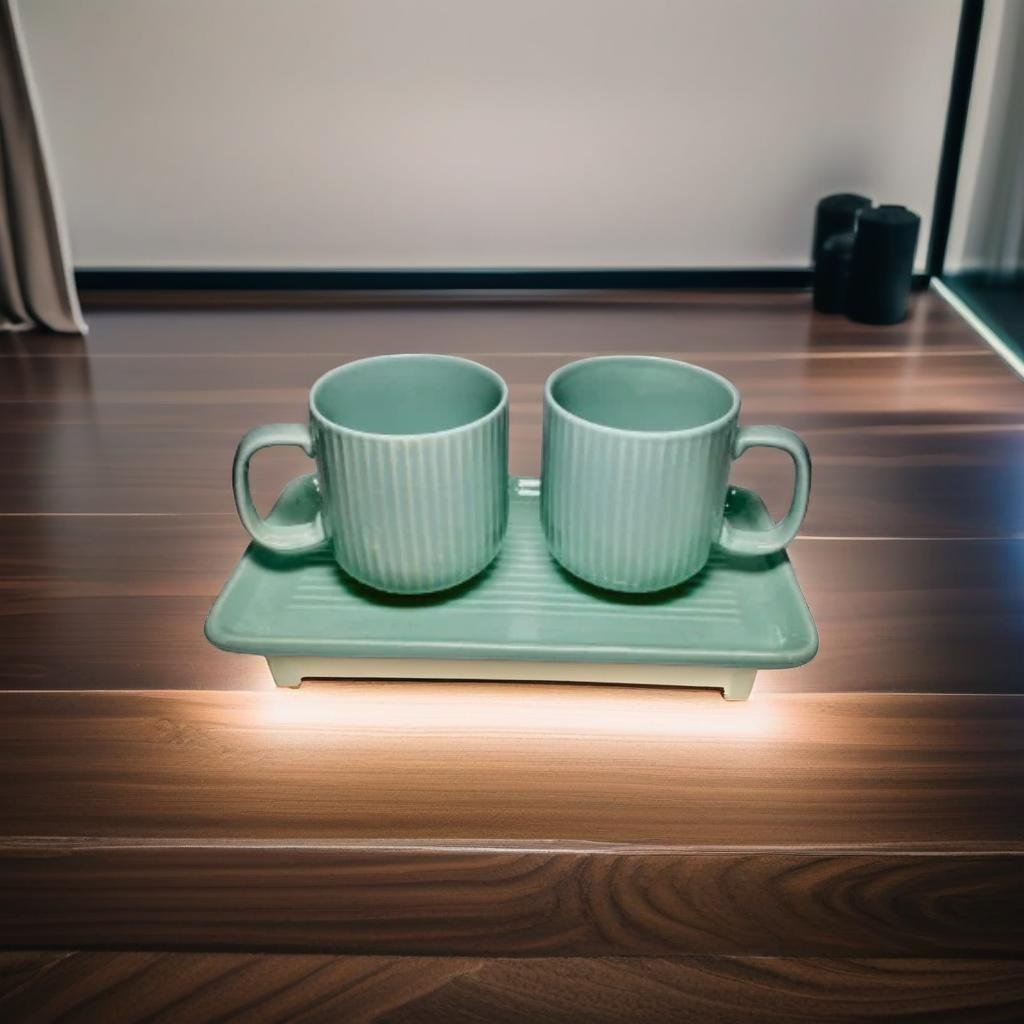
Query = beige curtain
x=37 y=286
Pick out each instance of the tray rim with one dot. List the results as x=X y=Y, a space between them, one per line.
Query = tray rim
x=792 y=657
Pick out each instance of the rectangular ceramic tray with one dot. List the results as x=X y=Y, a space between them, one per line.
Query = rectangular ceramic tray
x=523 y=618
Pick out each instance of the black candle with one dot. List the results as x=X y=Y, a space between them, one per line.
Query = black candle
x=882 y=265
x=835 y=215
x=832 y=273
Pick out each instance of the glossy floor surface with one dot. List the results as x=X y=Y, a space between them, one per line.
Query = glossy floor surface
x=118 y=526
x=178 y=837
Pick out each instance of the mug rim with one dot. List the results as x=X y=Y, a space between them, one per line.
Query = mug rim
x=339 y=371
x=700 y=428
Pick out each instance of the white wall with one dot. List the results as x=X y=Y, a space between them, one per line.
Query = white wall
x=416 y=133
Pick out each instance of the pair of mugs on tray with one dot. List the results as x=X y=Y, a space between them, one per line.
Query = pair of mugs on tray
x=412 y=471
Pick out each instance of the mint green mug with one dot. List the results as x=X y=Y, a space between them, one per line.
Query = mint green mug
x=412 y=471
x=637 y=452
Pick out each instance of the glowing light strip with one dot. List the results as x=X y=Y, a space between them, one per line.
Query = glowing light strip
x=982 y=328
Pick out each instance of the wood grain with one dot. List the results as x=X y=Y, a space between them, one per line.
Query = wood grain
x=98 y=987
x=269 y=322
x=515 y=763
x=451 y=899
x=805 y=850
x=912 y=427
x=871 y=478
x=915 y=429
x=938 y=616
x=127 y=596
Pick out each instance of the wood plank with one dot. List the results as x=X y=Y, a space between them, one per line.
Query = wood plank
x=494 y=321
x=912 y=428
x=89 y=988
x=408 y=819
x=80 y=374
x=923 y=616
x=127 y=598
x=24 y=967
x=96 y=988
x=727 y=992
x=409 y=899
x=515 y=763
x=940 y=477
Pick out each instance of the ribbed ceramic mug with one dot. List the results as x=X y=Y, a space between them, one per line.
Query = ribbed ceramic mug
x=637 y=452
x=412 y=471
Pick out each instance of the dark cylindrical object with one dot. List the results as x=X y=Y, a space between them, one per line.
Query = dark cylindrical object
x=832 y=273
x=835 y=215
x=882 y=266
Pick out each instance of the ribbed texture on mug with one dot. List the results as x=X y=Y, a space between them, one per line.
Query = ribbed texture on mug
x=630 y=511
x=415 y=514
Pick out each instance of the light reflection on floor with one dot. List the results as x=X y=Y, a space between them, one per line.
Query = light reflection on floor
x=519 y=708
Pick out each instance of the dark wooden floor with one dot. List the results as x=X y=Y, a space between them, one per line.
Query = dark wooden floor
x=179 y=840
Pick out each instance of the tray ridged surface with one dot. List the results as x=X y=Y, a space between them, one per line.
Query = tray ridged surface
x=746 y=612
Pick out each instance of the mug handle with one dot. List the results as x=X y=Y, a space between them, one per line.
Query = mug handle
x=294 y=539
x=768 y=542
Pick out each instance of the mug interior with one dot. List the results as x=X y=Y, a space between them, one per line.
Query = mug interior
x=407 y=394
x=642 y=393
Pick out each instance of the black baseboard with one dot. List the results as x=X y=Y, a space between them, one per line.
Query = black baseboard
x=140 y=279
x=441 y=279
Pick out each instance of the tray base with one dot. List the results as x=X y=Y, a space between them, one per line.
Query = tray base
x=735 y=683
